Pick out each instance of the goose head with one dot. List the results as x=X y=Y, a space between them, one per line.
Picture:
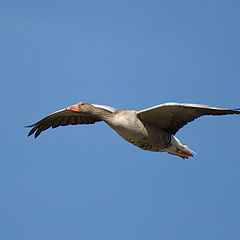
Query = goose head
x=82 y=107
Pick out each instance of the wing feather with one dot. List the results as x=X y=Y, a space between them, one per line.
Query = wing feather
x=65 y=121
x=173 y=116
x=61 y=118
x=56 y=122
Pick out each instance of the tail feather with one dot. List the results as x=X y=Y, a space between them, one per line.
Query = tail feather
x=188 y=149
x=184 y=152
x=176 y=148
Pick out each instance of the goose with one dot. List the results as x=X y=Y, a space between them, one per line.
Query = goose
x=151 y=129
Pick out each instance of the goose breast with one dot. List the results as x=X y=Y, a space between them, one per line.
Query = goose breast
x=127 y=124
x=141 y=134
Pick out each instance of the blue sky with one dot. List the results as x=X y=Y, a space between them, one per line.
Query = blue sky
x=85 y=182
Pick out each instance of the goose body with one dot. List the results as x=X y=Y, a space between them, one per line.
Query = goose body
x=140 y=133
x=151 y=129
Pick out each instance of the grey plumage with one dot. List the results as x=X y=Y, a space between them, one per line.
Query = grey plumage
x=60 y=118
x=151 y=129
x=173 y=116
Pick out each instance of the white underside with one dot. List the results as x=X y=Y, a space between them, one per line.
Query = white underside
x=176 y=145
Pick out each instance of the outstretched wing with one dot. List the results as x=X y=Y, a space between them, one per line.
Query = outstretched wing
x=61 y=118
x=173 y=116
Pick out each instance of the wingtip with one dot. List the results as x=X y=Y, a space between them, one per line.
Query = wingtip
x=29 y=134
x=29 y=126
x=31 y=130
x=35 y=135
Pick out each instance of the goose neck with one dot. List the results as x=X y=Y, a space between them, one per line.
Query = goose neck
x=104 y=114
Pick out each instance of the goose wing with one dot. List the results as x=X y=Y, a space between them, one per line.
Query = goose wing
x=110 y=109
x=61 y=118
x=173 y=116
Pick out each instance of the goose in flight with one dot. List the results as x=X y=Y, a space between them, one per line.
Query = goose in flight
x=151 y=129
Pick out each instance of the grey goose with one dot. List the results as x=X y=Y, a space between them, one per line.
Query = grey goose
x=151 y=129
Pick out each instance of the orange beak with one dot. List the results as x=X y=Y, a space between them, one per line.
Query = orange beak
x=74 y=108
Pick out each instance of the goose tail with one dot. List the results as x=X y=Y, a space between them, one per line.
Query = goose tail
x=176 y=148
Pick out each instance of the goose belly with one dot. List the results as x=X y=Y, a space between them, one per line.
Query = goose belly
x=149 y=144
x=140 y=140
x=143 y=135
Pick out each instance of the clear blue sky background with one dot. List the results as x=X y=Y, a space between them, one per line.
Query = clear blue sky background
x=85 y=182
